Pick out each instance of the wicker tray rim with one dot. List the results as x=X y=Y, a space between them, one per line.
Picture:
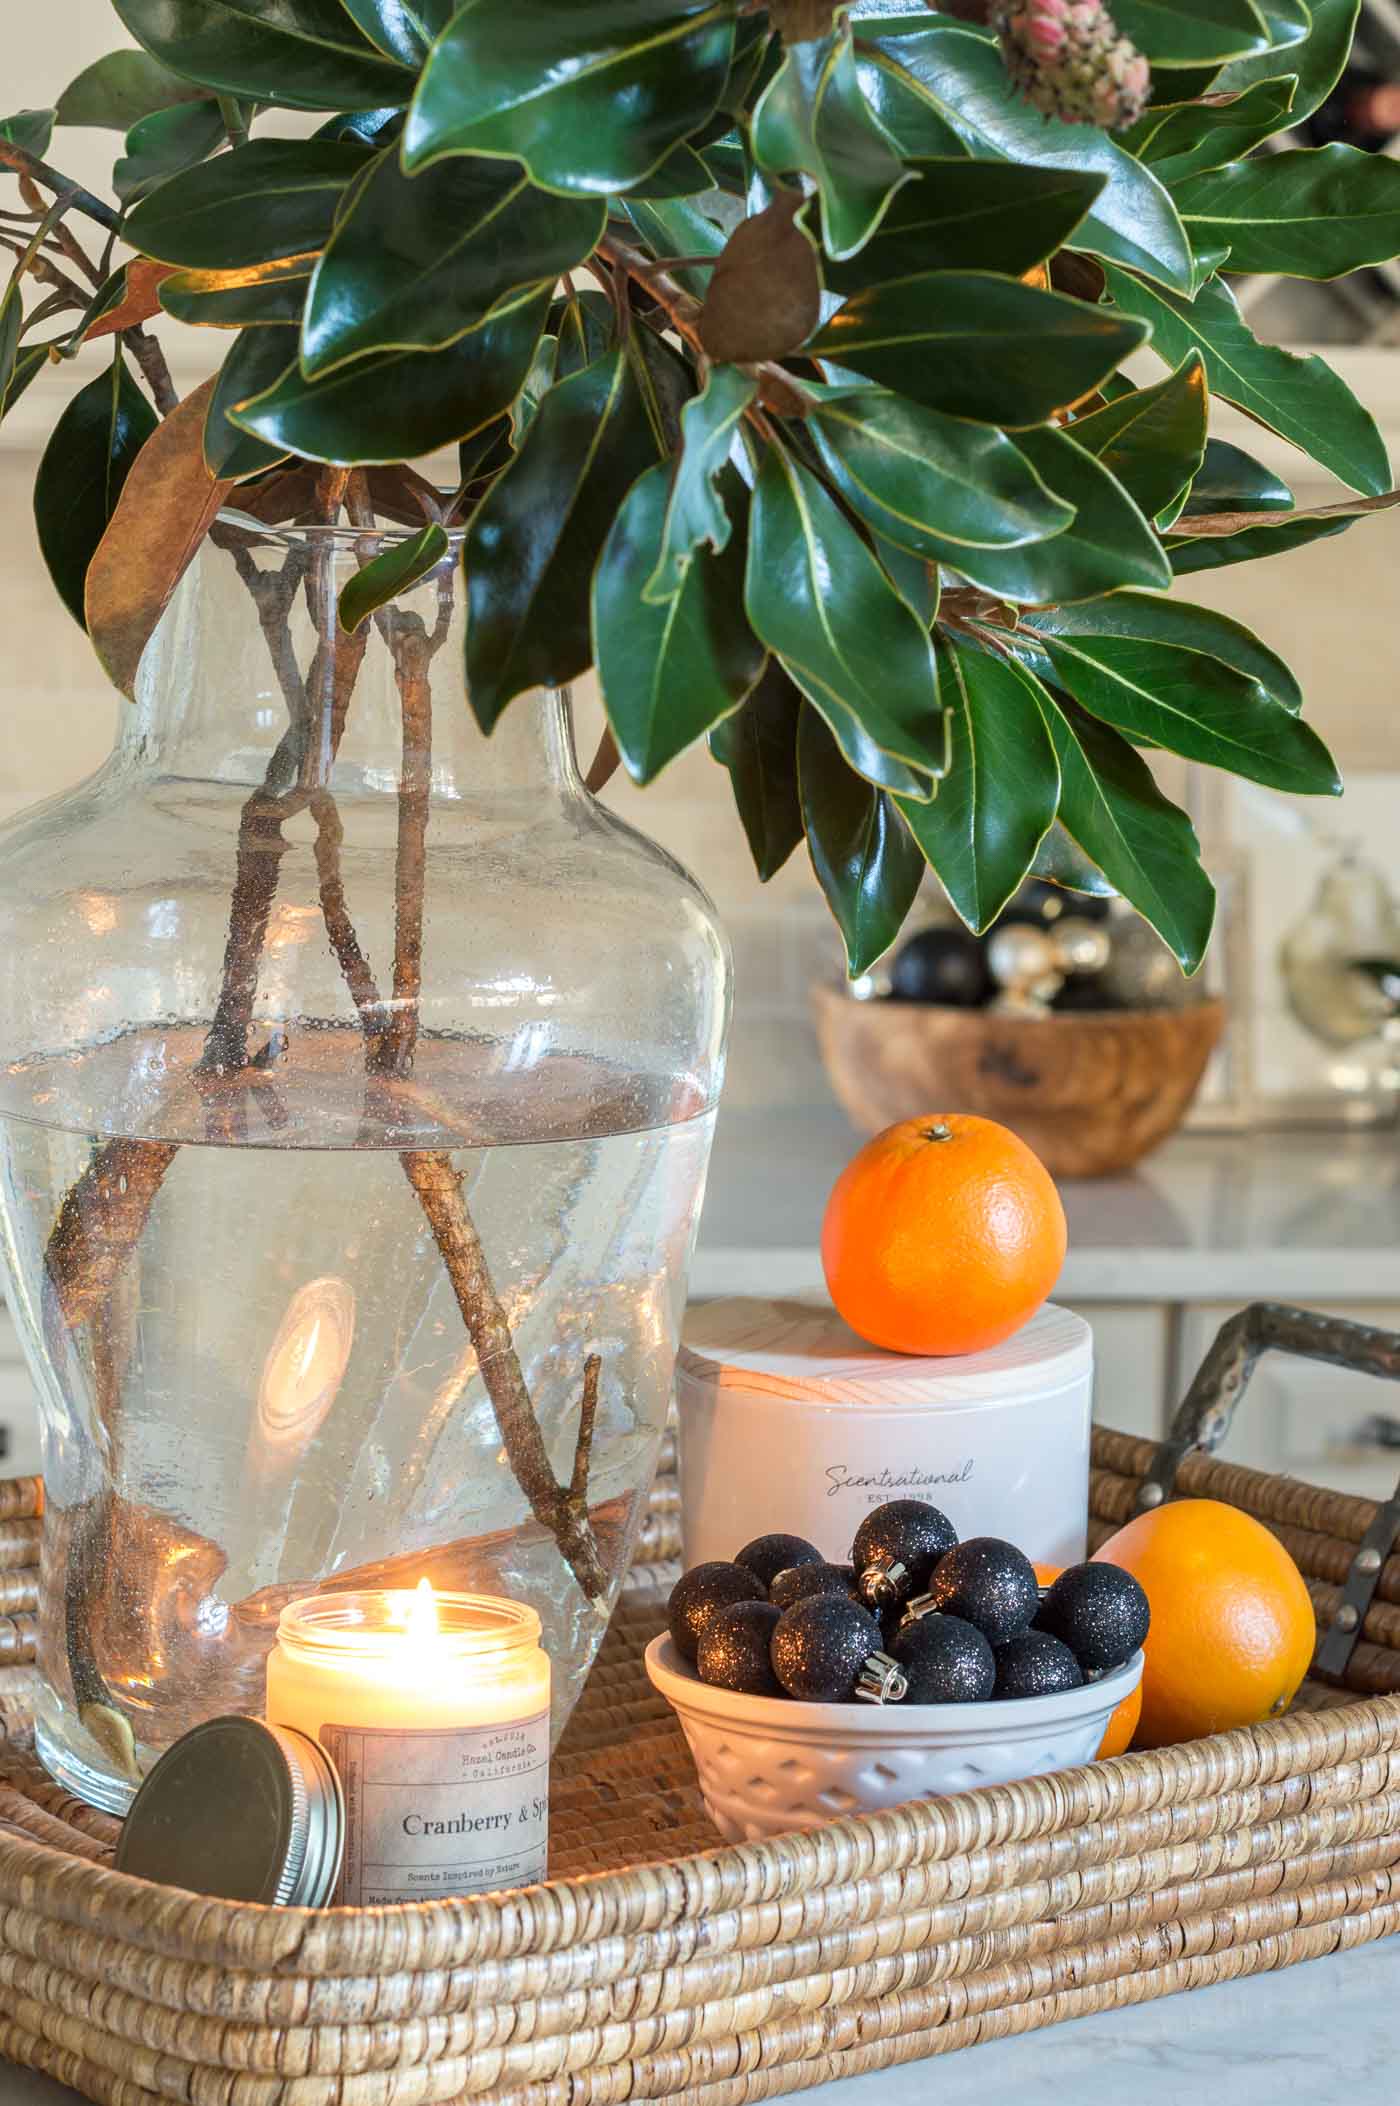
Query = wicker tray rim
x=542 y=1919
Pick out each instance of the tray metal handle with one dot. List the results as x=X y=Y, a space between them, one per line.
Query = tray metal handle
x=1203 y=1419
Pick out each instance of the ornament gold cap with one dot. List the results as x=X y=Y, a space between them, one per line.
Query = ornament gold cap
x=921 y=1605
x=882 y=1681
x=883 y=1580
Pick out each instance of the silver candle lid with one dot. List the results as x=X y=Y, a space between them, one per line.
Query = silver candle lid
x=241 y=1810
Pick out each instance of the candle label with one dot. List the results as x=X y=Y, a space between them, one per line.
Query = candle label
x=462 y=1811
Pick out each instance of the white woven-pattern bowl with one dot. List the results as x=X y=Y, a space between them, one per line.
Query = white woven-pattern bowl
x=767 y=1765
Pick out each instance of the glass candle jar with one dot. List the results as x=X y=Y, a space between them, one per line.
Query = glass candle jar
x=434 y=1709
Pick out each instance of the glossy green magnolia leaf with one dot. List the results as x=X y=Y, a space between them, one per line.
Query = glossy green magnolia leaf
x=416 y=261
x=955 y=76
x=678 y=227
x=1061 y=861
x=1146 y=848
x=926 y=481
x=668 y=671
x=1315 y=60
x=975 y=345
x=961 y=214
x=861 y=850
x=89 y=456
x=301 y=54
x=681 y=174
x=1106 y=546
x=1192 y=32
x=590 y=99
x=389 y=574
x=757 y=746
x=401 y=404
x=1231 y=480
x=256 y=296
x=29 y=362
x=270 y=199
x=401 y=29
x=256 y=361
x=914 y=578
x=812 y=119
x=535 y=386
x=1190 y=703
x=1154 y=440
x=11 y=323
x=695 y=513
x=1184 y=139
x=1317 y=212
x=362 y=127
x=1301 y=398
x=1175 y=625
x=1271 y=537
x=996 y=802
x=117 y=91
x=163 y=144
x=817 y=597
x=31 y=129
x=534 y=539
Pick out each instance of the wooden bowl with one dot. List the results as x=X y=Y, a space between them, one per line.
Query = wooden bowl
x=1092 y=1091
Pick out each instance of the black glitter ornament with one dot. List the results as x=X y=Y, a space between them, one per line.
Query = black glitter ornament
x=767 y=1556
x=1035 y=1664
x=704 y=1589
x=1099 y=1611
x=946 y=1661
x=799 y=1582
x=896 y=1549
x=827 y=1650
x=734 y=1650
x=942 y=965
x=991 y=1583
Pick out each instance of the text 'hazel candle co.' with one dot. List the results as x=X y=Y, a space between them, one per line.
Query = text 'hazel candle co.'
x=434 y=1709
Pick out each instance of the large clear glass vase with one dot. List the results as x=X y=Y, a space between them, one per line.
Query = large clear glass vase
x=357 y=1078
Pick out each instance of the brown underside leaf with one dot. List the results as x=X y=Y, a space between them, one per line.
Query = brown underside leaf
x=166 y=508
x=137 y=304
x=802 y=21
x=1220 y=523
x=765 y=295
x=397 y=493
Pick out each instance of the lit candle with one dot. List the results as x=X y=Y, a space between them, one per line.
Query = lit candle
x=434 y=1709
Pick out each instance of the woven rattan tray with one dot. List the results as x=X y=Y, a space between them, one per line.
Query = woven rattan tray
x=659 y=1964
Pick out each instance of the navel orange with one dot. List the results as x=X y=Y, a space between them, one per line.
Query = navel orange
x=943 y=1235
x=1232 y=1622
x=1118 y=1733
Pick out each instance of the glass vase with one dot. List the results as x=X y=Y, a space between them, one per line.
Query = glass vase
x=357 y=1080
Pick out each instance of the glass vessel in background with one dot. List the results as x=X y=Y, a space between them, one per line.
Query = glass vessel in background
x=1340 y=964
x=357 y=1080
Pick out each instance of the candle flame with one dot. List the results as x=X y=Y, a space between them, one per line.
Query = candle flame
x=422 y=1625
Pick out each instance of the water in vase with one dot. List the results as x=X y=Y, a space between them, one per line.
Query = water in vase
x=280 y=1390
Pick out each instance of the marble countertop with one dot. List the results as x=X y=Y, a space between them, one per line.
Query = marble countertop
x=1321 y=2033
x=1303 y=1216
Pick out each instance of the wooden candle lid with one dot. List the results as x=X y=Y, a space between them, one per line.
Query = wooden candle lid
x=798 y=1346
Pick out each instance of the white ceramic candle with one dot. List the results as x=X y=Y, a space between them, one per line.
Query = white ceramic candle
x=435 y=1711
x=789 y=1421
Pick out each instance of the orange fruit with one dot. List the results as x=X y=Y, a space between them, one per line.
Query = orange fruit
x=943 y=1235
x=1232 y=1623
x=1118 y=1733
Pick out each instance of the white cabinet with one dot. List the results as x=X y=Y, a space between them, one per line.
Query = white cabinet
x=1299 y=1417
x=1130 y=1364
x=18 y=1412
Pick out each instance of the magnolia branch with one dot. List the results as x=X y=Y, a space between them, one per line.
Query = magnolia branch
x=778 y=389
x=27 y=164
